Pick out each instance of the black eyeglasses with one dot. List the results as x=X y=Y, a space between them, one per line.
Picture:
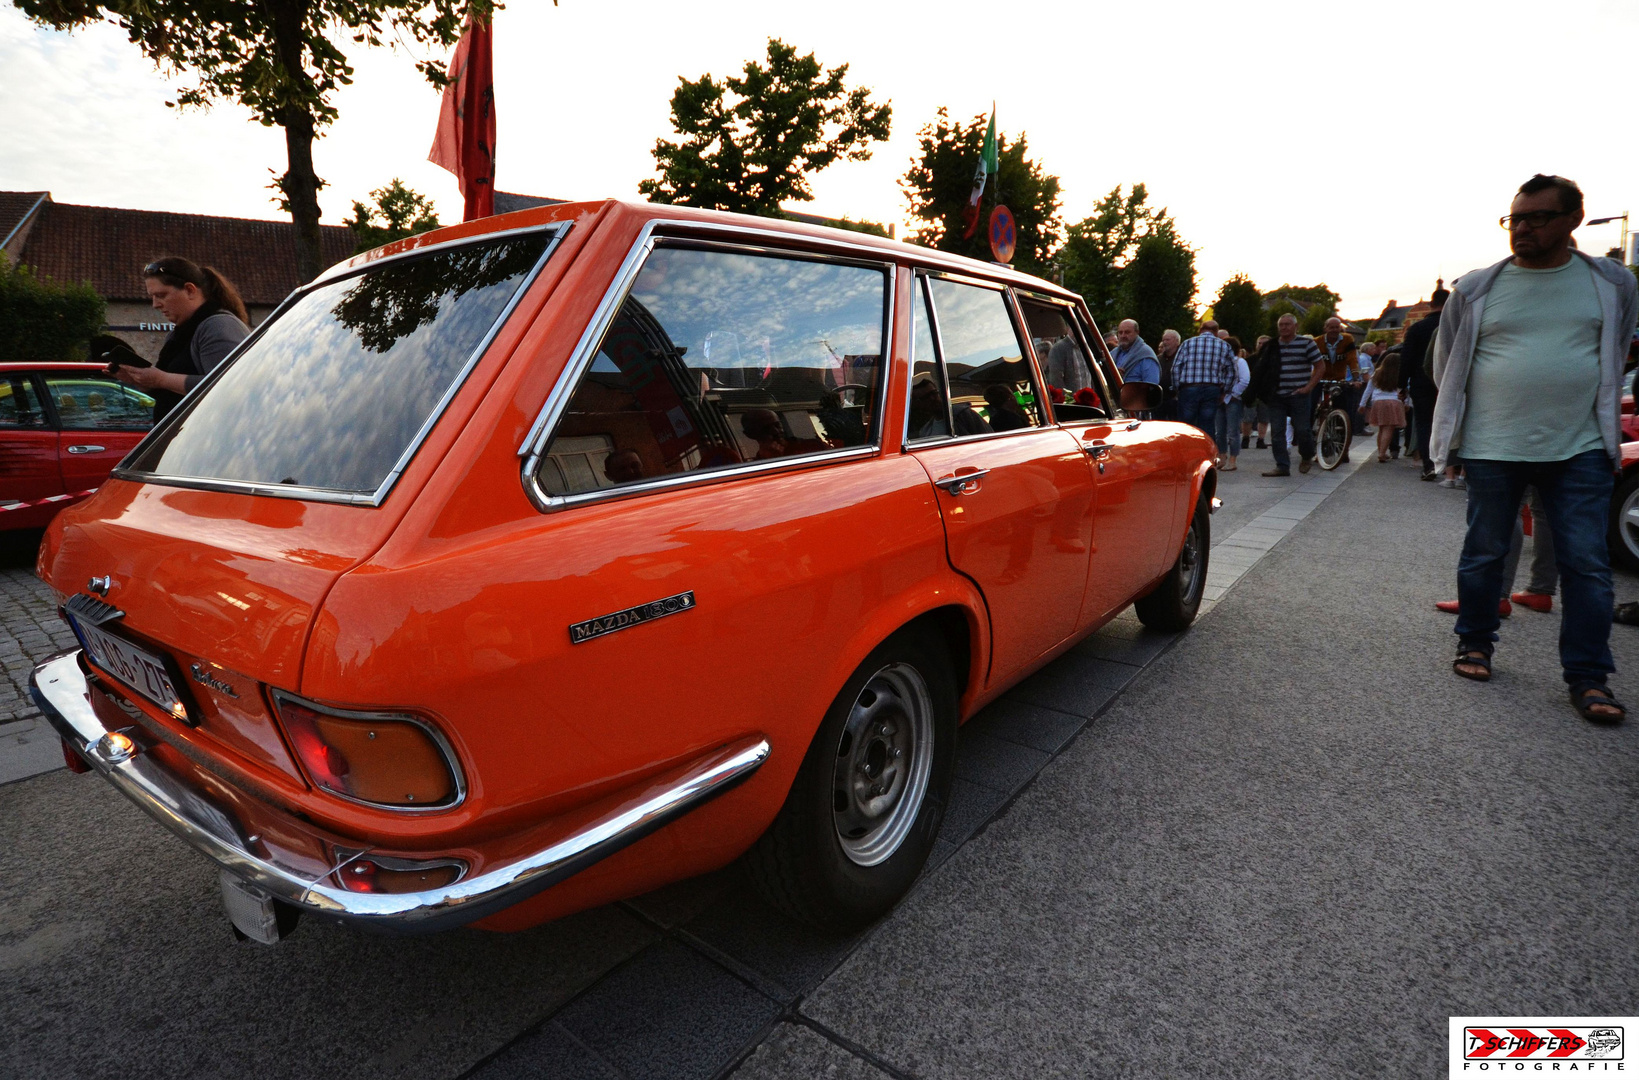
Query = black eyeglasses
x=1536 y=219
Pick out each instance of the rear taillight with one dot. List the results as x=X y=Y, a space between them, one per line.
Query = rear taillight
x=385 y=759
x=382 y=874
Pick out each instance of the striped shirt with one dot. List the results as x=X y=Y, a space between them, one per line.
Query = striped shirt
x=1297 y=361
x=1204 y=358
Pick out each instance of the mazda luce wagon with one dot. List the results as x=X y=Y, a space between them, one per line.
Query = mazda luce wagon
x=539 y=561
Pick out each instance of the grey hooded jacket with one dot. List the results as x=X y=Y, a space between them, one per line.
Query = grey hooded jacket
x=1460 y=328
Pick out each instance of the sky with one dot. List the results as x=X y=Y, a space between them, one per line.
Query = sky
x=1371 y=146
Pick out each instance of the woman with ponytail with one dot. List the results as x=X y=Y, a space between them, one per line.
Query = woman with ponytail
x=210 y=321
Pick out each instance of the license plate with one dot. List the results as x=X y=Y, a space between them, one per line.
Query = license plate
x=136 y=667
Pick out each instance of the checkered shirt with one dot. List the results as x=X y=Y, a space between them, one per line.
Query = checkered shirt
x=1205 y=358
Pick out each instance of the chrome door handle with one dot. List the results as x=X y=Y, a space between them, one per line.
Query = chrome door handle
x=965 y=484
x=84 y=449
x=1133 y=426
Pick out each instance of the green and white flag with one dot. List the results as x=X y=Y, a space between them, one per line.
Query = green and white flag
x=986 y=169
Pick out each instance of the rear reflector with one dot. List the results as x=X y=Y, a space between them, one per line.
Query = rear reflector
x=384 y=759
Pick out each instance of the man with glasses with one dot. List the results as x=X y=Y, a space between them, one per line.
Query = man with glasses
x=1528 y=360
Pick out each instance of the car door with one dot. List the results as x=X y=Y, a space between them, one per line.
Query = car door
x=1014 y=491
x=100 y=418
x=28 y=454
x=1133 y=471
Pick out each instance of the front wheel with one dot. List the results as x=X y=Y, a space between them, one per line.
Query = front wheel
x=1172 y=605
x=865 y=807
x=1623 y=536
x=1332 y=438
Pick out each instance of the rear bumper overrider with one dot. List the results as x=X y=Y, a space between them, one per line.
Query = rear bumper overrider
x=60 y=688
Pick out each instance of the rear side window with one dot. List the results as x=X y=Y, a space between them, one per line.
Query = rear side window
x=98 y=404
x=718 y=358
x=337 y=389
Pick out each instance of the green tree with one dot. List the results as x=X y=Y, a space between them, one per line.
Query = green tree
x=403 y=212
x=1100 y=246
x=1158 y=284
x=41 y=320
x=1313 y=321
x=1239 y=309
x=788 y=119
x=1308 y=294
x=1278 y=307
x=940 y=181
x=281 y=59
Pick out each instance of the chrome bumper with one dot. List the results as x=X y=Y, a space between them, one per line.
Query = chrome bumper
x=59 y=687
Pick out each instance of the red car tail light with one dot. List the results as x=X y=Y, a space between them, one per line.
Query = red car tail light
x=384 y=759
x=381 y=874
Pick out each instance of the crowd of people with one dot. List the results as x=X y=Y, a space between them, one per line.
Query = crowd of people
x=1509 y=388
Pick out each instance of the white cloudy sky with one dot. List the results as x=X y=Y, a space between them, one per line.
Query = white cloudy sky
x=1371 y=145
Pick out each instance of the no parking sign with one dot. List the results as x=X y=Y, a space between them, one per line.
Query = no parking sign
x=1003 y=236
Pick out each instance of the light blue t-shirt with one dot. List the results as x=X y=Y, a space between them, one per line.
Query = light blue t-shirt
x=1534 y=379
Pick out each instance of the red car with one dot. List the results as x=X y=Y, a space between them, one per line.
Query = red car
x=62 y=428
x=1623 y=535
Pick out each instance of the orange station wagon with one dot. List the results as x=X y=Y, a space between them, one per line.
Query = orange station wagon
x=536 y=562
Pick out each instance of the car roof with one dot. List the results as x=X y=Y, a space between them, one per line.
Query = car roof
x=53 y=365
x=688 y=217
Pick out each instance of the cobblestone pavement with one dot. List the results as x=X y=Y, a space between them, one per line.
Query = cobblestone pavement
x=29 y=632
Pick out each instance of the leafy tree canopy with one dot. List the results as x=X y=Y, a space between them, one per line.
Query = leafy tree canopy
x=282 y=59
x=1239 y=309
x=41 y=320
x=787 y=119
x=402 y=212
x=1099 y=248
x=1308 y=294
x=940 y=181
x=1158 y=283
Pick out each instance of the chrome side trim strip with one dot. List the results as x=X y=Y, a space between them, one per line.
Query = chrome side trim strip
x=533 y=449
x=559 y=230
x=59 y=687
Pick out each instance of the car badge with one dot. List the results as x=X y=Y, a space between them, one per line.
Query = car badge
x=101 y=585
x=620 y=620
x=205 y=678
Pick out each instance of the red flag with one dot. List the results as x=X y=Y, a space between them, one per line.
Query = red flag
x=465 y=142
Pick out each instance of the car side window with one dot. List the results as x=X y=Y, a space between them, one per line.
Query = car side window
x=95 y=402
x=1061 y=354
x=987 y=380
x=19 y=404
x=929 y=410
x=718 y=358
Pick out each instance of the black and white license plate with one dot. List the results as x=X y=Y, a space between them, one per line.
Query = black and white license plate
x=136 y=667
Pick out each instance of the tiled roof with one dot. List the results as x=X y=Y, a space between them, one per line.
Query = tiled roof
x=108 y=247
x=14 y=206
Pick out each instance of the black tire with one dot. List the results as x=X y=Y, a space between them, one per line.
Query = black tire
x=1623 y=534
x=804 y=864
x=1332 y=436
x=1172 y=605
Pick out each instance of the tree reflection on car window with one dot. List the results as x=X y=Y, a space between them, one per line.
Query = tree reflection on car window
x=335 y=390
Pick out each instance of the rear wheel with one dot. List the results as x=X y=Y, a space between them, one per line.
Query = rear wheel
x=1332 y=438
x=1172 y=605
x=865 y=808
x=1623 y=536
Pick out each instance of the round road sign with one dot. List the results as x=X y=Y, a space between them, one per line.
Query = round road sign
x=1003 y=237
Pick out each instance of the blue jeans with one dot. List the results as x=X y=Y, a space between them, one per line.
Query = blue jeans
x=1297 y=406
x=1576 y=497
x=1228 y=429
x=1198 y=405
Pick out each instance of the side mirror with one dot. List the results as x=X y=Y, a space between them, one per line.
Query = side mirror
x=1140 y=396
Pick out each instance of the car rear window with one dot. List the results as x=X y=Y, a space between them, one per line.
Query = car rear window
x=336 y=390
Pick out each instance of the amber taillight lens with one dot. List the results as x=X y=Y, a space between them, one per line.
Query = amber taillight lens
x=385 y=760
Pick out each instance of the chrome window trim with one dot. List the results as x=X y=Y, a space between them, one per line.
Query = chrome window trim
x=1028 y=351
x=559 y=230
x=700 y=236
x=451 y=761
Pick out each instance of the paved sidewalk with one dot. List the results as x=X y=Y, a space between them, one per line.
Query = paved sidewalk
x=29 y=632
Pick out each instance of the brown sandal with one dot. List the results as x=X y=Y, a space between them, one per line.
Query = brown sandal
x=1473 y=658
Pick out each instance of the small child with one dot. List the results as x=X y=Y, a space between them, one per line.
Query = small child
x=1382 y=405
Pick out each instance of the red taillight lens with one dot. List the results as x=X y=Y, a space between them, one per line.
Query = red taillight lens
x=380 y=874
x=386 y=760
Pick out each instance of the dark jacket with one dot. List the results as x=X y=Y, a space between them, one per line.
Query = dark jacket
x=1265 y=384
x=1414 y=350
x=195 y=348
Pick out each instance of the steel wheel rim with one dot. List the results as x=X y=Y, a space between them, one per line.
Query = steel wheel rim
x=1190 y=562
x=1627 y=520
x=1333 y=439
x=883 y=762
